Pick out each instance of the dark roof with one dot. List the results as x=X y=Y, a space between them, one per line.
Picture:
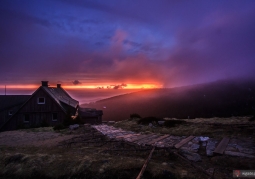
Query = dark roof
x=8 y=101
x=61 y=96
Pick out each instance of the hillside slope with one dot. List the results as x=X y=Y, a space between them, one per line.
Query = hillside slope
x=217 y=99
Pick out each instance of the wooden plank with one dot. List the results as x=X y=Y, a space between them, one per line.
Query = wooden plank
x=158 y=139
x=141 y=137
x=147 y=139
x=145 y=164
x=184 y=141
x=115 y=133
x=221 y=146
x=125 y=136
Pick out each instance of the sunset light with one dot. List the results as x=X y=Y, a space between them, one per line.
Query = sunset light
x=94 y=86
x=100 y=86
x=19 y=86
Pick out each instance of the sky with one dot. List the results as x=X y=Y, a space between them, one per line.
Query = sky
x=125 y=44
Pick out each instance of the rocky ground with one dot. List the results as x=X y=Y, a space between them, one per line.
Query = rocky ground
x=86 y=153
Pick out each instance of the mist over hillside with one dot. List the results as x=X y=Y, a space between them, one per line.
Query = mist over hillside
x=216 y=99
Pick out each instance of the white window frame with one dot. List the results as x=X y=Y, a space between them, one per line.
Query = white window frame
x=25 y=121
x=38 y=101
x=53 y=116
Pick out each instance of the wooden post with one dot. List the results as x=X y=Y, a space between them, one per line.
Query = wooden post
x=145 y=164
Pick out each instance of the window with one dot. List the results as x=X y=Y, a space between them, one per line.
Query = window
x=54 y=116
x=41 y=100
x=26 y=118
x=10 y=113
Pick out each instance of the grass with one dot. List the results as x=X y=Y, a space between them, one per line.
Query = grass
x=213 y=127
x=38 y=129
x=75 y=163
x=88 y=161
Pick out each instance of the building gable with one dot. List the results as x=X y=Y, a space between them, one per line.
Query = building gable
x=41 y=101
x=46 y=104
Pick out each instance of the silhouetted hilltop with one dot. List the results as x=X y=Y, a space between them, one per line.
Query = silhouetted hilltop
x=216 y=99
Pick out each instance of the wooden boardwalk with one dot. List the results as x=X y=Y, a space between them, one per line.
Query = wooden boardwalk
x=188 y=143
x=140 y=139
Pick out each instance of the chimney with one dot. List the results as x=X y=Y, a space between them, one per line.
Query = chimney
x=45 y=83
x=58 y=85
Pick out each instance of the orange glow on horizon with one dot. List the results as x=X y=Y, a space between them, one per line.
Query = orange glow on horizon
x=19 y=86
x=79 y=86
x=129 y=86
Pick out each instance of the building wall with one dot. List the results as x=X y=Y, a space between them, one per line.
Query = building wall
x=36 y=113
x=4 y=115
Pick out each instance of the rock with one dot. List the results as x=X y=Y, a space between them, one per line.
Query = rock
x=161 y=122
x=209 y=153
x=164 y=163
x=195 y=147
x=190 y=155
x=196 y=140
x=73 y=127
x=203 y=144
x=210 y=147
x=111 y=122
x=150 y=124
x=203 y=139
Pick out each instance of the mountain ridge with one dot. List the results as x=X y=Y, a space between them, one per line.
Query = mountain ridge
x=223 y=98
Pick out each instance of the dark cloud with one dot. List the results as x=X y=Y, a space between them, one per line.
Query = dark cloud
x=76 y=82
x=121 y=86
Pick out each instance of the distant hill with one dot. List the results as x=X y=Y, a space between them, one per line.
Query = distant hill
x=216 y=99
